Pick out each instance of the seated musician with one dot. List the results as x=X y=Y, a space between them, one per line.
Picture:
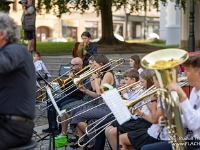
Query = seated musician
x=135 y=133
x=76 y=103
x=190 y=106
x=81 y=121
x=17 y=87
x=72 y=94
x=130 y=76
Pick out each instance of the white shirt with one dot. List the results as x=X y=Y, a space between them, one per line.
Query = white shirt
x=191 y=112
x=153 y=129
x=131 y=95
x=190 y=117
x=39 y=65
x=140 y=70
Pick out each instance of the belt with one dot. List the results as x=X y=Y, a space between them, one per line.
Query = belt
x=15 y=118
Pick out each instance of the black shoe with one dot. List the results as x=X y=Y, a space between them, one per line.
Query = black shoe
x=70 y=140
x=46 y=130
x=75 y=146
x=88 y=148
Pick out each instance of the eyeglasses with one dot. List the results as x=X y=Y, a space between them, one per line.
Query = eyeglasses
x=73 y=64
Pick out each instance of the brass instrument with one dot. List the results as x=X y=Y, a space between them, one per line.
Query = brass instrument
x=63 y=82
x=163 y=62
x=77 y=80
x=39 y=90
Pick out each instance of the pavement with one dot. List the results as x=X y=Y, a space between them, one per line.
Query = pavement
x=42 y=123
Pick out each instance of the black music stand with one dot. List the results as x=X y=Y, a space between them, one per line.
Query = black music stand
x=50 y=112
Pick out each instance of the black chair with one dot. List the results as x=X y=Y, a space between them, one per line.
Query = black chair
x=30 y=145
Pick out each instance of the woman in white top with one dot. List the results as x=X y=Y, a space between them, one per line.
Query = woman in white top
x=190 y=107
x=135 y=63
x=137 y=138
x=146 y=78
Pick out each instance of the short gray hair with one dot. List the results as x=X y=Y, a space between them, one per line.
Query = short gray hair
x=9 y=28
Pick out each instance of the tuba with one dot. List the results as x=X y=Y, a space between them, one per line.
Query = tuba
x=163 y=62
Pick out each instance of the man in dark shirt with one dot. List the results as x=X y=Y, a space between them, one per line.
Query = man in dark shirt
x=71 y=95
x=17 y=87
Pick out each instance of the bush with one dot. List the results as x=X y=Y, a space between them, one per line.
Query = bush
x=158 y=41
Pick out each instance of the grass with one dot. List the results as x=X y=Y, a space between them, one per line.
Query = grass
x=63 y=48
x=54 y=48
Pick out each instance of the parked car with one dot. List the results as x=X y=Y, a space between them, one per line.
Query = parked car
x=152 y=36
x=117 y=36
x=59 y=39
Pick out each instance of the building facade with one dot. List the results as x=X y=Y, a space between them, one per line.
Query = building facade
x=71 y=26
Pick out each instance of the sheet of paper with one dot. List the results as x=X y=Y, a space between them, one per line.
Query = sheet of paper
x=116 y=105
x=53 y=101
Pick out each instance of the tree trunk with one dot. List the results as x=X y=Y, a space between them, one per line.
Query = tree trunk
x=107 y=23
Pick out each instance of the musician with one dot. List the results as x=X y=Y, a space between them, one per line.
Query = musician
x=90 y=50
x=78 y=102
x=81 y=121
x=76 y=66
x=17 y=87
x=146 y=79
x=130 y=76
x=135 y=139
x=190 y=106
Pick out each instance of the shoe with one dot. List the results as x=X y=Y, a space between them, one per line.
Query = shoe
x=75 y=146
x=73 y=139
x=46 y=130
x=88 y=148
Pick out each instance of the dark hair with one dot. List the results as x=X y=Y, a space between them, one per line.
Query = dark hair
x=147 y=75
x=131 y=73
x=91 y=58
x=36 y=53
x=86 y=33
x=136 y=58
x=193 y=60
x=102 y=59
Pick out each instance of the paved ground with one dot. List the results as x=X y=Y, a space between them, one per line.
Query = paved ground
x=41 y=123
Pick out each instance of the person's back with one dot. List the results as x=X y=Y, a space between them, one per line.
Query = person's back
x=17 y=87
x=17 y=82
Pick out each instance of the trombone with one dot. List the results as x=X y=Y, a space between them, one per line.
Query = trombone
x=41 y=88
x=121 y=89
x=79 y=79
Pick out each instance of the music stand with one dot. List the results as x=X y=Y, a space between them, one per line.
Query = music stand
x=52 y=111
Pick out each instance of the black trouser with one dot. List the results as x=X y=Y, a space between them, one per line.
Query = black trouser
x=14 y=133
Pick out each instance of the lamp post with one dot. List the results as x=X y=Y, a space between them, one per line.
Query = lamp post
x=191 y=39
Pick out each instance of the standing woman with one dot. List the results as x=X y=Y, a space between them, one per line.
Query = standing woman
x=135 y=63
x=90 y=49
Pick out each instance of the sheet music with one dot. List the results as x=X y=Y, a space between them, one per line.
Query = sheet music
x=53 y=101
x=116 y=105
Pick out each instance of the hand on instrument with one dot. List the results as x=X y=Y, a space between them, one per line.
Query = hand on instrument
x=82 y=88
x=84 y=52
x=161 y=123
x=124 y=91
x=137 y=111
x=173 y=86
